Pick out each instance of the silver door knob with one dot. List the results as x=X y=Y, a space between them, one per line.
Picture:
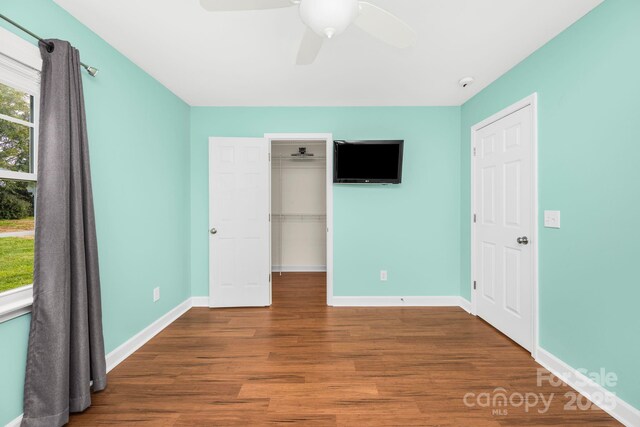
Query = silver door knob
x=213 y=231
x=523 y=240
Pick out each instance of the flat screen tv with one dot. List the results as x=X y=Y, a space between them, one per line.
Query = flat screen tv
x=367 y=162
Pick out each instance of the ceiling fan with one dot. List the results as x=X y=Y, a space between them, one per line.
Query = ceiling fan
x=327 y=18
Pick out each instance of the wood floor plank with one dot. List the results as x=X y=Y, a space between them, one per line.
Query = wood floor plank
x=303 y=363
x=329 y=390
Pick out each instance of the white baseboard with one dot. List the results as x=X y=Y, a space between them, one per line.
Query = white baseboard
x=126 y=349
x=618 y=409
x=199 y=301
x=15 y=422
x=412 y=301
x=298 y=268
x=465 y=305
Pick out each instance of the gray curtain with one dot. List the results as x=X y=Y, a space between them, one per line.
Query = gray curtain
x=66 y=347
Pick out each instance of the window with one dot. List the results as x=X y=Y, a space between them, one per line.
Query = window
x=19 y=102
x=16 y=196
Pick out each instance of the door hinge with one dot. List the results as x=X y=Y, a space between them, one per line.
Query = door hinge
x=475 y=218
x=474 y=285
x=269 y=276
x=474 y=151
x=269 y=156
x=269 y=217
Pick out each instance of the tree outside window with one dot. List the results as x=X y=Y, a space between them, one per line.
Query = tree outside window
x=16 y=195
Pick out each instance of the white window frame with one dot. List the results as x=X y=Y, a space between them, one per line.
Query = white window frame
x=20 y=67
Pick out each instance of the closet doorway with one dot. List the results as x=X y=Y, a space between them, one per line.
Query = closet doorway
x=302 y=204
x=241 y=216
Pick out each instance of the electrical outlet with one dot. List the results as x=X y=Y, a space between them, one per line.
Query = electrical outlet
x=156 y=294
x=552 y=219
x=383 y=275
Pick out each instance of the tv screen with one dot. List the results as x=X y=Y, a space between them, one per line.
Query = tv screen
x=367 y=162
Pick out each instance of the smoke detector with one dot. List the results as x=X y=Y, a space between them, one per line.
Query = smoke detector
x=467 y=81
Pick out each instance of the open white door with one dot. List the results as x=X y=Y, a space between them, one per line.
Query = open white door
x=504 y=231
x=239 y=227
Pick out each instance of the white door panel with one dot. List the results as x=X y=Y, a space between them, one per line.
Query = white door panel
x=504 y=200
x=239 y=213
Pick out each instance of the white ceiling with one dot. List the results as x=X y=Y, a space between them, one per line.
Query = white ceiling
x=248 y=58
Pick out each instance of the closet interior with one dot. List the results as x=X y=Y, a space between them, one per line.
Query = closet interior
x=298 y=206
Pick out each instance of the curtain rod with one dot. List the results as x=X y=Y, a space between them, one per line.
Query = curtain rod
x=91 y=70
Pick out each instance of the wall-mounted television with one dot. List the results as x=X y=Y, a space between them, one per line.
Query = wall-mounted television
x=367 y=162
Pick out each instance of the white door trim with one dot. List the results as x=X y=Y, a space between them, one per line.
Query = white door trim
x=328 y=138
x=532 y=101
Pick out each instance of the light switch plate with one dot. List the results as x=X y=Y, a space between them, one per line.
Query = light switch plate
x=383 y=275
x=552 y=219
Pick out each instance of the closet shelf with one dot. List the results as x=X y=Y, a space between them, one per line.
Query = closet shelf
x=298 y=216
x=299 y=159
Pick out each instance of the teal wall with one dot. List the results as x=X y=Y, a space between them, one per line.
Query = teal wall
x=13 y=360
x=589 y=146
x=411 y=229
x=139 y=136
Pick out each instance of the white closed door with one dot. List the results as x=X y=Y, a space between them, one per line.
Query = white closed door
x=239 y=227
x=504 y=191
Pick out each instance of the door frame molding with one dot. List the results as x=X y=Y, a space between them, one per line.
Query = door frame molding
x=328 y=138
x=531 y=100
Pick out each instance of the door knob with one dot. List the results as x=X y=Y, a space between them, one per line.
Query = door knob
x=213 y=231
x=523 y=240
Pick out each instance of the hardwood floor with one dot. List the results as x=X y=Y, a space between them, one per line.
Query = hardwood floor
x=303 y=363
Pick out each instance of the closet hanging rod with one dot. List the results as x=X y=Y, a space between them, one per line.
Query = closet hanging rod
x=300 y=158
x=296 y=143
x=91 y=70
x=298 y=214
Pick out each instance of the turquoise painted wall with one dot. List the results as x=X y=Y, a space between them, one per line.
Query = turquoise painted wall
x=589 y=146
x=139 y=136
x=411 y=229
x=13 y=356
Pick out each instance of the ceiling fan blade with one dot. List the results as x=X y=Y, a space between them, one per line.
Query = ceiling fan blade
x=385 y=26
x=309 y=47
x=231 y=5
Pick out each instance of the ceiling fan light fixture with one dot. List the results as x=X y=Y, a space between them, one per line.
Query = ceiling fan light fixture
x=328 y=18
